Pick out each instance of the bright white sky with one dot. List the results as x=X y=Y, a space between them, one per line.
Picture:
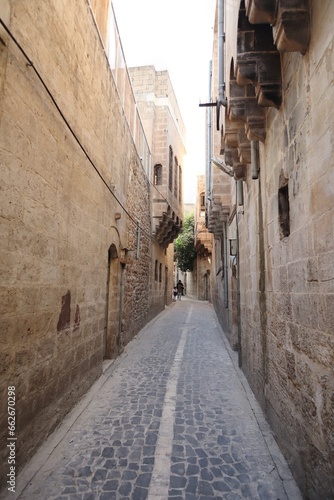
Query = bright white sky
x=177 y=36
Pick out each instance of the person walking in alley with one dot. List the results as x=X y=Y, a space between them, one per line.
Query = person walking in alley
x=180 y=288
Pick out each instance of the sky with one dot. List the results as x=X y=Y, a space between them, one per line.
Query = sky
x=177 y=36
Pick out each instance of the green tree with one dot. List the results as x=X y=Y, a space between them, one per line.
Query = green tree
x=185 y=252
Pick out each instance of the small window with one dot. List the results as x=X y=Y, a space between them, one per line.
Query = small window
x=202 y=205
x=157 y=180
x=160 y=273
x=180 y=184
x=284 y=210
x=176 y=174
x=156 y=271
x=170 y=166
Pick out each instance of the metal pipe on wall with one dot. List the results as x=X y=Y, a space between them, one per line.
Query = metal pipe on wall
x=225 y=265
x=255 y=162
x=209 y=139
x=221 y=62
x=240 y=192
x=238 y=287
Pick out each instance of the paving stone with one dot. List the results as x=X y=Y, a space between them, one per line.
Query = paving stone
x=178 y=469
x=140 y=494
x=125 y=489
x=100 y=475
x=213 y=443
x=177 y=482
x=143 y=480
x=205 y=488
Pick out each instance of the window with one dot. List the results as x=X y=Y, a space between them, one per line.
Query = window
x=170 y=165
x=160 y=273
x=284 y=210
x=180 y=184
x=156 y=271
x=176 y=175
x=202 y=205
x=157 y=175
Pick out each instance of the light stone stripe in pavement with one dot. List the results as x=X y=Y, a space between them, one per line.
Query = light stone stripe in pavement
x=172 y=418
x=160 y=476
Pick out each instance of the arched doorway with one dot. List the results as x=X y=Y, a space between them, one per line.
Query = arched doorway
x=112 y=327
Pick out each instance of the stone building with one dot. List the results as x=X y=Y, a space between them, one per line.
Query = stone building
x=270 y=207
x=165 y=134
x=203 y=245
x=84 y=255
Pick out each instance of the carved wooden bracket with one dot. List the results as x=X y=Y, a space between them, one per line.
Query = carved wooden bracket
x=243 y=106
x=218 y=214
x=260 y=11
x=277 y=25
x=258 y=61
x=237 y=148
x=290 y=21
x=168 y=227
x=292 y=28
x=245 y=121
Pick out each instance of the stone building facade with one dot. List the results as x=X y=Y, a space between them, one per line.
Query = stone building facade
x=165 y=132
x=270 y=207
x=203 y=245
x=78 y=249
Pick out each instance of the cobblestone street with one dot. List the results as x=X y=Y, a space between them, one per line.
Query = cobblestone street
x=172 y=418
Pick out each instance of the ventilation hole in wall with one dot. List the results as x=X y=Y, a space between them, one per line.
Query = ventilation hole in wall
x=284 y=210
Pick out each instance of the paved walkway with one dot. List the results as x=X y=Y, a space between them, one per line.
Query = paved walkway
x=172 y=418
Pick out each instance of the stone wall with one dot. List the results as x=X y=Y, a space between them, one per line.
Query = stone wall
x=73 y=193
x=164 y=128
x=287 y=256
x=285 y=222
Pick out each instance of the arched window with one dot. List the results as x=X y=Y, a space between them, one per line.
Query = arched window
x=176 y=175
x=157 y=175
x=202 y=204
x=284 y=209
x=170 y=169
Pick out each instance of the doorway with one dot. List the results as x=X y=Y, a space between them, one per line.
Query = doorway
x=112 y=324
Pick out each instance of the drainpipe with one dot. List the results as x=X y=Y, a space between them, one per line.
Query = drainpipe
x=209 y=116
x=225 y=266
x=222 y=101
x=238 y=285
x=240 y=192
x=255 y=163
x=120 y=312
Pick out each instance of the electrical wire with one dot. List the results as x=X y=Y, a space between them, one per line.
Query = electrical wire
x=31 y=64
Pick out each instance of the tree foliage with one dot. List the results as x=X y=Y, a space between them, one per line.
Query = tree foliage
x=185 y=252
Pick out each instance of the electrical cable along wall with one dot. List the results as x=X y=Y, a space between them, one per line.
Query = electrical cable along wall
x=73 y=186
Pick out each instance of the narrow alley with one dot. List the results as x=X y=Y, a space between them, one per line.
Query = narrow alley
x=172 y=417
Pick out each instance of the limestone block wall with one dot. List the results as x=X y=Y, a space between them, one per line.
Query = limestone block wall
x=161 y=279
x=72 y=188
x=164 y=129
x=286 y=264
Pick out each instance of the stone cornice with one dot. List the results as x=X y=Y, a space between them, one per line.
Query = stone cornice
x=258 y=61
x=290 y=21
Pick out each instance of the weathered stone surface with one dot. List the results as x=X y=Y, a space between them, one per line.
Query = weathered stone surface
x=201 y=448
x=284 y=319
x=74 y=189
